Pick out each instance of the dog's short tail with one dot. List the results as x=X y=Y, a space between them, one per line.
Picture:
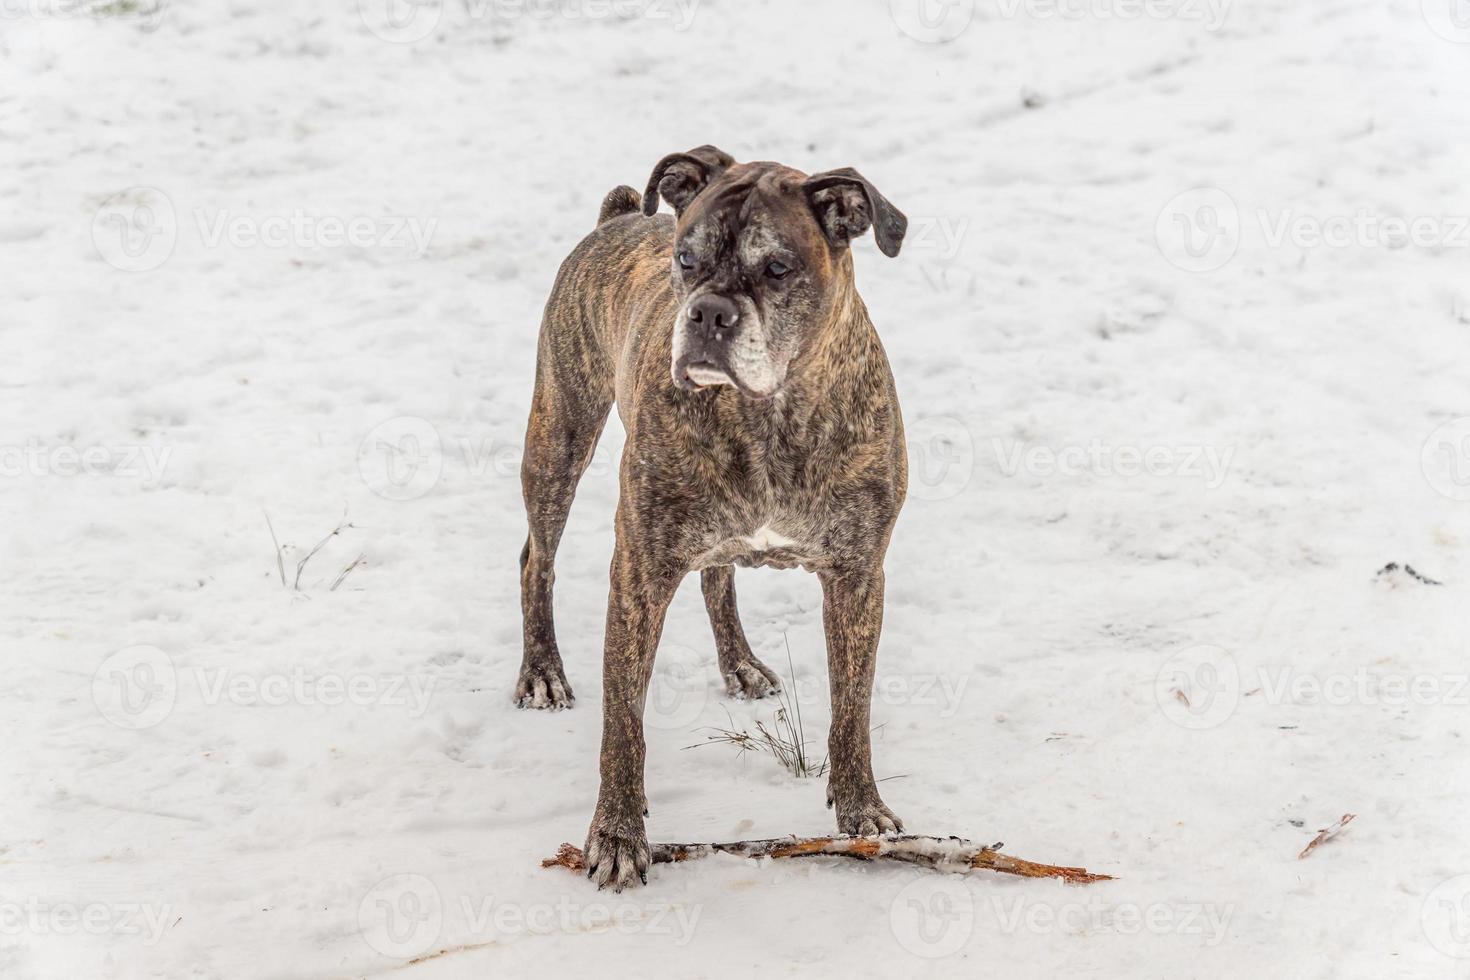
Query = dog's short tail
x=619 y=201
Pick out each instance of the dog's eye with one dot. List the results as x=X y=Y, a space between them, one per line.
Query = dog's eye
x=777 y=269
x=686 y=260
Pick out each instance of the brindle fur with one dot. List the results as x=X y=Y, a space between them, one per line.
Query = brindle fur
x=821 y=462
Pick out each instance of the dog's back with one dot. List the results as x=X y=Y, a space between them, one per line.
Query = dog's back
x=624 y=261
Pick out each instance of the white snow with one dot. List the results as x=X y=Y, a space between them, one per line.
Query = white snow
x=258 y=260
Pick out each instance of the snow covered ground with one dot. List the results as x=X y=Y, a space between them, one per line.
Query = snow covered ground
x=1180 y=333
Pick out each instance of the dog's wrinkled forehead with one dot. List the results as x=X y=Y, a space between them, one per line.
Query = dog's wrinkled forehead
x=706 y=184
x=753 y=210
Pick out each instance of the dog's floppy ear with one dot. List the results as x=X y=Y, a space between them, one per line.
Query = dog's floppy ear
x=679 y=177
x=845 y=204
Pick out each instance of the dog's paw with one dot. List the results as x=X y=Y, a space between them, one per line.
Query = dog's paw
x=617 y=853
x=865 y=817
x=543 y=685
x=750 y=679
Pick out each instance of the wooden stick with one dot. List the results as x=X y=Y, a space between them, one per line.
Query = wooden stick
x=939 y=853
x=1326 y=834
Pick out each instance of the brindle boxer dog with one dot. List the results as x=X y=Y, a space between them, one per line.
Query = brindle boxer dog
x=763 y=429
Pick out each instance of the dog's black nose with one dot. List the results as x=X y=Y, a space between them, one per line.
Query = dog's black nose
x=712 y=314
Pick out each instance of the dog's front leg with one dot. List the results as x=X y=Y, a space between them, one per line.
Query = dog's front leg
x=642 y=585
x=852 y=611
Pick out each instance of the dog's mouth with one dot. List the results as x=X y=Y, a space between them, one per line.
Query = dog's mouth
x=704 y=374
x=698 y=375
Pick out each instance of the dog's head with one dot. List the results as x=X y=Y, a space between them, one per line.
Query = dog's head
x=759 y=250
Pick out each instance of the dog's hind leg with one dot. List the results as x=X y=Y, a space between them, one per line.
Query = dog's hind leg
x=745 y=676
x=570 y=405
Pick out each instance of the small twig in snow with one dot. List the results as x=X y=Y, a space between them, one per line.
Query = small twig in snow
x=301 y=565
x=1326 y=834
x=280 y=564
x=359 y=560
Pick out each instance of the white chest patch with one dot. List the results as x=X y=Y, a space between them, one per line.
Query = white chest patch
x=764 y=539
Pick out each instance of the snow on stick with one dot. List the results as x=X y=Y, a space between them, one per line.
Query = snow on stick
x=939 y=853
